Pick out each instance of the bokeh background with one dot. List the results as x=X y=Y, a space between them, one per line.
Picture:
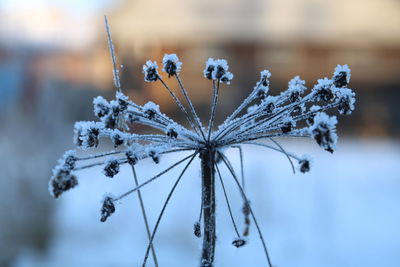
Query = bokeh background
x=54 y=59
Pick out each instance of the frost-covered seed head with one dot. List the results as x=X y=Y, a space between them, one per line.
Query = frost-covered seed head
x=122 y=101
x=324 y=131
x=341 y=76
x=296 y=89
x=87 y=133
x=264 y=80
x=131 y=157
x=272 y=117
x=111 y=168
x=171 y=64
x=61 y=182
x=172 y=133
x=287 y=126
x=210 y=65
x=150 y=110
x=239 y=242
x=220 y=68
x=117 y=139
x=261 y=94
x=346 y=101
x=107 y=208
x=310 y=118
x=150 y=71
x=70 y=161
x=323 y=91
x=101 y=107
x=154 y=155
x=269 y=104
x=110 y=121
x=197 y=229
x=217 y=70
x=91 y=138
x=227 y=77
x=304 y=164
x=173 y=130
x=115 y=108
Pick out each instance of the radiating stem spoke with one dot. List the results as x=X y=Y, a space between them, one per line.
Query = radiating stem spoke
x=163 y=210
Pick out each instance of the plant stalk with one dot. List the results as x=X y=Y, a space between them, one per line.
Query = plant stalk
x=208 y=199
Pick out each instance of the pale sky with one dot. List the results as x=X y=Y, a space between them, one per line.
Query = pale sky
x=62 y=23
x=79 y=7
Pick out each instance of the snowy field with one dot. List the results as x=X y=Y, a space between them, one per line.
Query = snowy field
x=345 y=212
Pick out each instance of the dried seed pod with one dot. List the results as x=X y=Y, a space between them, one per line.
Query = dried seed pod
x=197 y=229
x=111 y=168
x=239 y=242
x=107 y=208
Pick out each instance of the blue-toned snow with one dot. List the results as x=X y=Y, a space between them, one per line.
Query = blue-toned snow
x=346 y=212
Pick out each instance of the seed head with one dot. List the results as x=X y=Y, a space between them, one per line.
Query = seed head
x=111 y=168
x=171 y=64
x=107 y=208
x=150 y=71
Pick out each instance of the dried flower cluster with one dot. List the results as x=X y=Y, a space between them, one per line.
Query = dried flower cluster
x=296 y=112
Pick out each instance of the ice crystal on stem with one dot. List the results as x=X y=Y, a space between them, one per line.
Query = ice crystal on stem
x=296 y=112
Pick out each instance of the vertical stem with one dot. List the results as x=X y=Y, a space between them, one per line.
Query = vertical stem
x=146 y=222
x=208 y=177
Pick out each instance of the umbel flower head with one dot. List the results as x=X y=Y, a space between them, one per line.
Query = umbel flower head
x=295 y=112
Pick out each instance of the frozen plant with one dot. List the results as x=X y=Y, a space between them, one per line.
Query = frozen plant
x=296 y=112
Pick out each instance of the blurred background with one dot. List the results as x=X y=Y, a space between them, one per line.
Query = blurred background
x=54 y=59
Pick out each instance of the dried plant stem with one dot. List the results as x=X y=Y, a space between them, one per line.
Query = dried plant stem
x=163 y=210
x=117 y=82
x=146 y=222
x=213 y=107
x=229 y=166
x=208 y=180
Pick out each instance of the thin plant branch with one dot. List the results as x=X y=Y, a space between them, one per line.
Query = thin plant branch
x=251 y=210
x=192 y=109
x=284 y=152
x=146 y=222
x=227 y=201
x=213 y=107
x=153 y=178
x=179 y=103
x=163 y=210
x=117 y=82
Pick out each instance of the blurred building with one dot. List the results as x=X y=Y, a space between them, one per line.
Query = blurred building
x=303 y=37
x=288 y=37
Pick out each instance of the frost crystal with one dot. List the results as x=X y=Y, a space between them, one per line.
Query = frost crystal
x=296 y=89
x=171 y=64
x=151 y=110
x=150 y=71
x=346 y=101
x=324 y=131
x=217 y=70
x=111 y=168
x=101 y=107
x=341 y=76
x=87 y=133
x=324 y=90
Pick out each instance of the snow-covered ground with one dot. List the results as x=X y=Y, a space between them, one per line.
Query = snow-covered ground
x=345 y=212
